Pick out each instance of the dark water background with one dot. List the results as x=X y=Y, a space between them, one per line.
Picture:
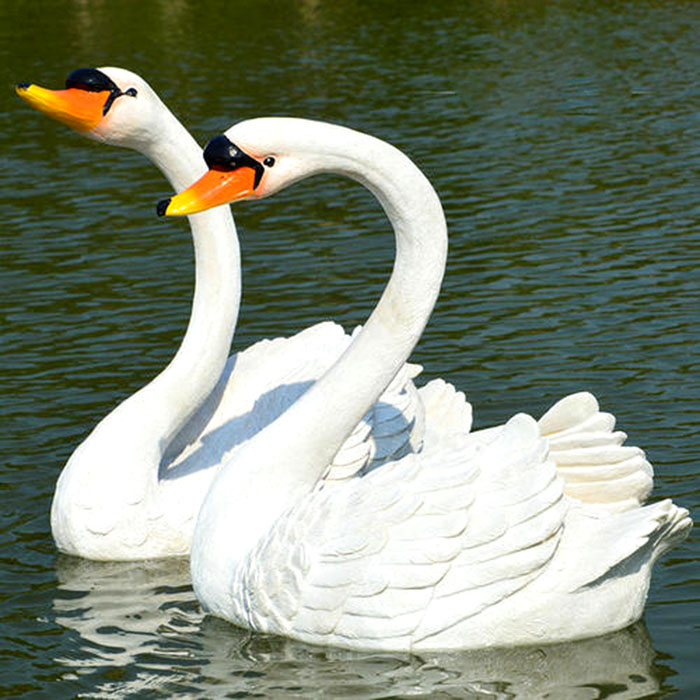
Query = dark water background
x=563 y=138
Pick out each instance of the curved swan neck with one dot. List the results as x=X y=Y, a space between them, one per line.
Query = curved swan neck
x=156 y=413
x=284 y=461
x=360 y=376
x=354 y=383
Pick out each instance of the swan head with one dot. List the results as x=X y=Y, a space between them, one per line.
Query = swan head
x=258 y=157
x=112 y=105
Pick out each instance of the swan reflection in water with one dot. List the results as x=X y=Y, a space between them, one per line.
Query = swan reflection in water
x=141 y=630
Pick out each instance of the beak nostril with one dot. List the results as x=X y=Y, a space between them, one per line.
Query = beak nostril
x=22 y=86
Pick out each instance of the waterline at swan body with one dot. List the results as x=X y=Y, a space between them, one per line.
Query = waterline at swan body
x=520 y=534
x=133 y=488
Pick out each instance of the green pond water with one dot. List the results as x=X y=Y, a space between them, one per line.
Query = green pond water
x=563 y=139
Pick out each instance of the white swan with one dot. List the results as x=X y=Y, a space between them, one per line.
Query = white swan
x=133 y=488
x=471 y=542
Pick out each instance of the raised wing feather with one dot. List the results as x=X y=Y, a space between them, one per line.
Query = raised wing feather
x=391 y=429
x=597 y=468
x=256 y=386
x=261 y=382
x=411 y=548
x=447 y=411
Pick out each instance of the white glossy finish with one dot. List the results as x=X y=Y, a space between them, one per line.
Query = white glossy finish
x=470 y=542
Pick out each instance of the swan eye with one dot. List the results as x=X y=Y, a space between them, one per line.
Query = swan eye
x=132 y=92
x=269 y=162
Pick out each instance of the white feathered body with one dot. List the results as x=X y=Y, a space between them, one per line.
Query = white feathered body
x=470 y=544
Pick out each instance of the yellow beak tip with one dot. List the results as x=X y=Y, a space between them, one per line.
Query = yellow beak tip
x=172 y=206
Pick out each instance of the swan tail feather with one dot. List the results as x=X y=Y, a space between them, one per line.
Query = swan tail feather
x=620 y=544
x=597 y=468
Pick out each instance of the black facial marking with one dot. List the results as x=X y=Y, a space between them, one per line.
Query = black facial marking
x=221 y=154
x=93 y=80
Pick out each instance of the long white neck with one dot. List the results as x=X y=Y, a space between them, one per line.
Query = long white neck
x=154 y=414
x=284 y=462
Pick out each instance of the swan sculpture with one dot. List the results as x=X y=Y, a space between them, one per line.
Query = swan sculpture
x=469 y=542
x=133 y=488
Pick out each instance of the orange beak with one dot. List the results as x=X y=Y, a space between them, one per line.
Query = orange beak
x=79 y=109
x=215 y=187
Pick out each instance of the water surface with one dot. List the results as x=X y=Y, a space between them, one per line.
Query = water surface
x=563 y=140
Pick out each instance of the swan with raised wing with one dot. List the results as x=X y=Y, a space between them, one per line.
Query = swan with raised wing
x=470 y=541
x=133 y=488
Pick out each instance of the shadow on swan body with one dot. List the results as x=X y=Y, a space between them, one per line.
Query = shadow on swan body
x=521 y=534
